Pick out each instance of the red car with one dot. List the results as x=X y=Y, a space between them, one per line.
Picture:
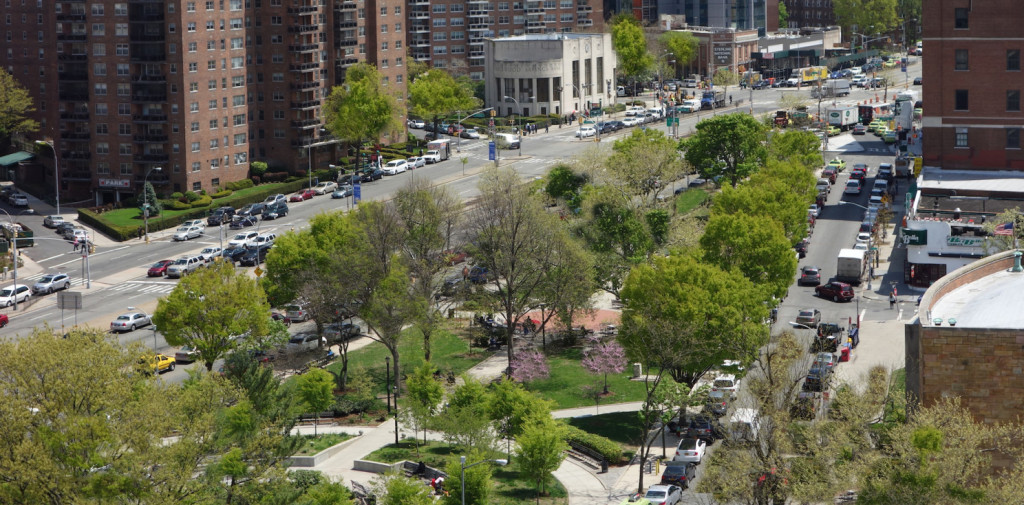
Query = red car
x=302 y=196
x=837 y=291
x=159 y=269
x=4 y=320
x=830 y=174
x=454 y=257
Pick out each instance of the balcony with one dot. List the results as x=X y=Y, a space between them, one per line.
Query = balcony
x=72 y=57
x=347 y=23
x=477 y=27
x=152 y=158
x=305 y=9
x=301 y=86
x=305 y=123
x=535 y=24
x=71 y=16
x=420 y=43
x=146 y=17
x=149 y=97
x=137 y=57
x=304 y=67
x=75 y=135
x=150 y=137
x=346 y=6
x=73 y=76
x=476 y=41
x=147 y=37
x=75 y=155
x=304 y=48
x=419 y=2
x=419 y=15
x=303 y=28
x=535 y=10
x=346 y=42
x=347 y=62
x=308 y=104
x=479 y=2
x=478 y=13
x=74 y=96
x=149 y=78
x=303 y=142
x=74 y=116
x=422 y=57
x=72 y=37
x=476 y=54
x=150 y=118
x=420 y=29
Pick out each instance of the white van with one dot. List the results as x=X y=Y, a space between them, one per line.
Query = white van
x=634 y=110
x=744 y=425
x=511 y=141
x=690 y=106
x=655 y=111
x=620 y=91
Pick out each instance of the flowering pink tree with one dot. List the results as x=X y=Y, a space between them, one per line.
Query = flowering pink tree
x=529 y=365
x=604 y=358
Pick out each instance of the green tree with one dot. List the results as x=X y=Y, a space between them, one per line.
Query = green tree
x=465 y=420
x=316 y=389
x=479 y=483
x=866 y=16
x=395 y=489
x=687 y=316
x=630 y=46
x=780 y=190
x=642 y=164
x=15 y=107
x=565 y=184
x=435 y=93
x=150 y=199
x=783 y=15
x=541 y=450
x=731 y=146
x=1002 y=241
x=569 y=283
x=362 y=109
x=725 y=77
x=619 y=238
x=513 y=408
x=756 y=245
x=681 y=45
x=424 y=393
x=214 y=310
x=799 y=146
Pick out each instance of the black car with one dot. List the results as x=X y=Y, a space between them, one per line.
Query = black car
x=818 y=378
x=762 y=84
x=678 y=473
x=917 y=81
x=220 y=216
x=240 y=222
x=371 y=175
x=63 y=228
x=253 y=209
x=279 y=209
x=617 y=125
x=232 y=255
x=801 y=247
x=703 y=427
x=253 y=256
x=605 y=127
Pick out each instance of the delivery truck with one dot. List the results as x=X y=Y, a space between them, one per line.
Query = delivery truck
x=808 y=75
x=713 y=98
x=832 y=88
x=842 y=117
x=851 y=265
x=690 y=106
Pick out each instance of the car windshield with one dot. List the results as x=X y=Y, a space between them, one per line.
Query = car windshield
x=655 y=494
x=723 y=383
x=296 y=340
x=6 y=292
x=806 y=313
x=208 y=250
x=183 y=229
x=240 y=236
x=182 y=261
x=46 y=278
x=688 y=444
x=123 y=318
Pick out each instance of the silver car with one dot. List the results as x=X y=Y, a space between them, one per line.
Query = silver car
x=187 y=232
x=130 y=321
x=208 y=253
x=50 y=283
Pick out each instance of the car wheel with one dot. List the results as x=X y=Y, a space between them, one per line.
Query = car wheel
x=133 y=328
x=835 y=298
x=171 y=368
x=3 y=323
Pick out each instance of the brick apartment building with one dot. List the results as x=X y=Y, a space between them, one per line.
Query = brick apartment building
x=196 y=88
x=450 y=34
x=972 y=95
x=806 y=13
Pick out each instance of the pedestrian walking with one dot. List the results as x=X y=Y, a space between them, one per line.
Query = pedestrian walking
x=76 y=244
x=892 y=300
x=730 y=99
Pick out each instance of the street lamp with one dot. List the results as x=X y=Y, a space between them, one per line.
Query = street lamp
x=56 y=172
x=145 y=199
x=462 y=478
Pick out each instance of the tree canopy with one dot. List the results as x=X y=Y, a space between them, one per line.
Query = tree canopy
x=866 y=16
x=363 y=108
x=682 y=45
x=15 y=107
x=755 y=245
x=642 y=164
x=436 y=93
x=730 y=147
x=631 y=47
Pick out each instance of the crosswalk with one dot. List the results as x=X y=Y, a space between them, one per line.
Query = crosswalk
x=145 y=287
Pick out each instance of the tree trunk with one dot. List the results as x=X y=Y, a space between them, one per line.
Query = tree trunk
x=398 y=375
x=426 y=330
x=209 y=365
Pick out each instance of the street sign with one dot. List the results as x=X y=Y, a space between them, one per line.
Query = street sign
x=258 y=271
x=69 y=300
x=491 y=150
x=357 y=192
x=903 y=67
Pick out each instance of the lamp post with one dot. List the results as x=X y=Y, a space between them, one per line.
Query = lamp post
x=14 y=240
x=56 y=172
x=145 y=200
x=395 y=388
x=464 y=466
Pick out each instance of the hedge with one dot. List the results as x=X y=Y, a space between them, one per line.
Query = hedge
x=608 y=449
x=122 y=233
x=240 y=185
x=225 y=193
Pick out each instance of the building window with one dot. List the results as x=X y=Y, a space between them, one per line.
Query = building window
x=960 y=18
x=102 y=129
x=961 y=138
x=126 y=169
x=121 y=29
x=102 y=148
x=1013 y=100
x=961 y=60
x=1013 y=59
x=1013 y=138
x=960 y=100
x=197 y=186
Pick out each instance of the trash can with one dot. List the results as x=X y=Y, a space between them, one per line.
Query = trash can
x=844 y=354
x=637 y=370
x=604 y=466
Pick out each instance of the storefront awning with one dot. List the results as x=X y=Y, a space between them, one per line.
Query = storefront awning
x=15 y=158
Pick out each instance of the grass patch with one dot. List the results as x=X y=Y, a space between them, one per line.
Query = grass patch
x=132 y=216
x=314 y=444
x=568 y=378
x=690 y=199
x=509 y=487
x=620 y=427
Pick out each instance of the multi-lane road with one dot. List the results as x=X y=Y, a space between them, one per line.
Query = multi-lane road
x=118 y=270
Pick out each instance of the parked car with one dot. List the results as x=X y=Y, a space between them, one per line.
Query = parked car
x=160 y=363
x=836 y=291
x=275 y=211
x=416 y=123
x=159 y=268
x=371 y=175
x=690 y=450
x=130 y=321
x=809 y=276
x=718 y=403
x=241 y=239
x=263 y=240
x=343 y=191
x=830 y=173
x=839 y=164
x=209 y=253
x=296 y=313
x=727 y=383
x=53 y=221
x=254 y=255
x=825 y=359
x=703 y=427
x=325 y=187
x=199 y=223
x=801 y=247
x=184 y=266
x=63 y=228
x=679 y=474
x=51 y=282
x=187 y=232
x=303 y=342
x=416 y=162
x=852 y=187
x=186 y=354
x=586 y=131
x=809 y=317
x=14 y=293
x=470 y=133
x=239 y=222
x=255 y=209
x=220 y=216
x=395 y=167
x=272 y=199
x=233 y=254
x=302 y=195
x=18 y=200
x=917 y=81
x=661 y=494
x=342 y=331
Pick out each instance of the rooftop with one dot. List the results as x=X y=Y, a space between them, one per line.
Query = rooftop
x=548 y=36
x=987 y=302
x=972 y=182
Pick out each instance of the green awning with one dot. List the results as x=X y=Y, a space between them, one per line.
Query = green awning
x=18 y=157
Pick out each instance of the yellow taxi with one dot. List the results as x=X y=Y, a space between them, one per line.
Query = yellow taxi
x=161 y=363
x=837 y=164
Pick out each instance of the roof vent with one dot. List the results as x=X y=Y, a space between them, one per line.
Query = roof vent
x=937 y=321
x=1016 y=262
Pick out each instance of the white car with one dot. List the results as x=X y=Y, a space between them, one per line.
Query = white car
x=586 y=131
x=325 y=187
x=14 y=293
x=18 y=200
x=53 y=221
x=189 y=232
x=813 y=210
x=470 y=133
x=416 y=162
x=852 y=187
x=303 y=342
x=727 y=383
x=416 y=123
x=631 y=121
x=662 y=494
x=195 y=222
x=209 y=253
x=242 y=239
x=263 y=240
x=690 y=450
x=864 y=237
x=395 y=167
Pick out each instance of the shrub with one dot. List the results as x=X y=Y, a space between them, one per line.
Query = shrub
x=203 y=201
x=223 y=193
x=275 y=176
x=175 y=205
x=300 y=173
x=176 y=195
x=191 y=196
x=258 y=168
x=255 y=180
x=240 y=185
x=608 y=449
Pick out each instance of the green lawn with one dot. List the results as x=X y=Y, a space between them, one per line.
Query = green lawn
x=447 y=352
x=132 y=216
x=509 y=488
x=312 y=445
x=690 y=199
x=568 y=378
x=621 y=427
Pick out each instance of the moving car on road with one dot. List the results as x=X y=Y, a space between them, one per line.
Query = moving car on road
x=809 y=276
x=159 y=268
x=130 y=321
x=690 y=450
x=836 y=291
x=50 y=283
